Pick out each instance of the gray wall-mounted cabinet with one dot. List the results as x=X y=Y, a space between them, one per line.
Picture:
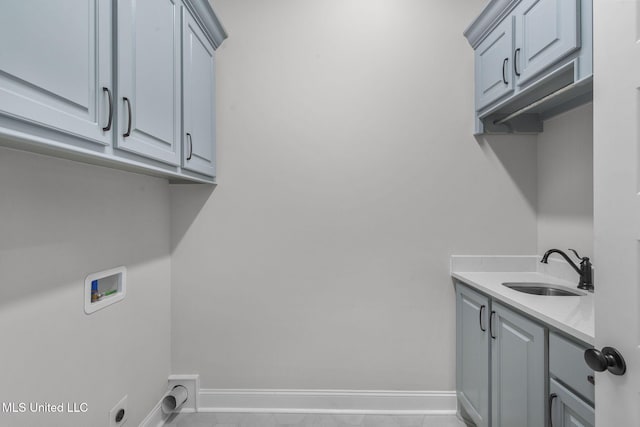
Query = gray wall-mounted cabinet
x=149 y=79
x=199 y=99
x=493 y=64
x=546 y=31
x=533 y=61
x=55 y=65
x=72 y=88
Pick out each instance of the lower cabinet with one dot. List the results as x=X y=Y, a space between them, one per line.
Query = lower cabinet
x=511 y=371
x=567 y=409
x=472 y=355
x=517 y=370
x=500 y=363
x=572 y=384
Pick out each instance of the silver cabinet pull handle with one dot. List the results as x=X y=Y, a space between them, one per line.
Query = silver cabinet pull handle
x=516 y=57
x=108 y=126
x=482 y=328
x=128 y=132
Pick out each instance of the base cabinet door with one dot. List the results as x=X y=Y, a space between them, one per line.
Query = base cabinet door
x=567 y=409
x=472 y=360
x=55 y=66
x=517 y=370
x=149 y=79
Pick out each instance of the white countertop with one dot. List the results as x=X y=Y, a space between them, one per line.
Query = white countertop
x=569 y=314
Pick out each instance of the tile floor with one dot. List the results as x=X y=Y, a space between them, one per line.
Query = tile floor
x=312 y=420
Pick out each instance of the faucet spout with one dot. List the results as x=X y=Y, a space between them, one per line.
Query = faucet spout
x=584 y=270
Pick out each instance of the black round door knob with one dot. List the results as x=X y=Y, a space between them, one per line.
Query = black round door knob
x=607 y=359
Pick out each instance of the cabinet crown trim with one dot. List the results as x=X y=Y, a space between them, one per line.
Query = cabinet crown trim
x=208 y=20
x=490 y=16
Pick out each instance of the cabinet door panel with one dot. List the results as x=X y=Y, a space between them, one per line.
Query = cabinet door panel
x=546 y=31
x=493 y=66
x=567 y=409
x=55 y=58
x=149 y=77
x=199 y=99
x=473 y=354
x=517 y=371
x=566 y=363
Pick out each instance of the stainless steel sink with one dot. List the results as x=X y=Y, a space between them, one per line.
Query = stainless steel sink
x=545 y=289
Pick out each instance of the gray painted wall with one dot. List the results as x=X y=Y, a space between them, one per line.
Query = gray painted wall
x=348 y=176
x=565 y=182
x=62 y=220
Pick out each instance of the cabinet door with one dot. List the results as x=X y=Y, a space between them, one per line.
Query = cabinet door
x=493 y=66
x=517 y=370
x=199 y=87
x=55 y=60
x=567 y=409
x=546 y=32
x=149 y=78
x=472 y=355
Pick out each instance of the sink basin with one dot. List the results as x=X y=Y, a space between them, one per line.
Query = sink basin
x=545 y=289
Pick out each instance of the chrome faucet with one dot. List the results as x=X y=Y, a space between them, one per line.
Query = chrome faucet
x=586 y=277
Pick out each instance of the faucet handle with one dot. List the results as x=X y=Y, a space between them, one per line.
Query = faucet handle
x=582 y=259
x=575 y=252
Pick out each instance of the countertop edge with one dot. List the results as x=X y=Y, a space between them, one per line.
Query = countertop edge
x=542 y=317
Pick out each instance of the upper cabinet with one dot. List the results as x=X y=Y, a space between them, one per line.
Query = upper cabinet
x=199 y=99
x=55 y=66
x=71 y=88
x=533 y=60
x=149 y=79
x=547 y=31
x=494 y=79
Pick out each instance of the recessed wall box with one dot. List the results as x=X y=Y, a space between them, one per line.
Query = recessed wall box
x=104 y=288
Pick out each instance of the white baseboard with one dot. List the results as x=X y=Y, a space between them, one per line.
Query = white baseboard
x=328 y=401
